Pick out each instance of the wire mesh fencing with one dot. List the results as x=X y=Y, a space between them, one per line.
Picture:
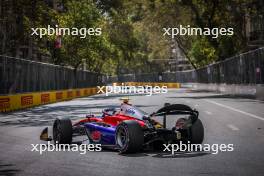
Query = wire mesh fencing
x=246 y=68
x=19 y=76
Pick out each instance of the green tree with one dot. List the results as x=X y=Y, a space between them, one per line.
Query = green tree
x=91 y=50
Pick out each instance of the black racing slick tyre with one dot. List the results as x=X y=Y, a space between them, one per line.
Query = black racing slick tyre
x=62 y=131
x=197 y=132
x=129 y=137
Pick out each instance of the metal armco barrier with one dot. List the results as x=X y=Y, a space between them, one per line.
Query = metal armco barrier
x=20 y=76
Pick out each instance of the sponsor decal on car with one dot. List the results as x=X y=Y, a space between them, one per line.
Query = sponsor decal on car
x=130 y=111
x=96 y=136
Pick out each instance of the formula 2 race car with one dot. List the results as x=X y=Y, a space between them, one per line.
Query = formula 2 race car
x=129 y=129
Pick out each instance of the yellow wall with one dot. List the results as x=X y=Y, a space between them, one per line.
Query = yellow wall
x=26 y=100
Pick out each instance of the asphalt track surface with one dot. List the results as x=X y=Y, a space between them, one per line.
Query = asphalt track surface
x=227 y=120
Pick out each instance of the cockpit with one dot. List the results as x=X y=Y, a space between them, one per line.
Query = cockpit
x=132 y=111
x=127 y=110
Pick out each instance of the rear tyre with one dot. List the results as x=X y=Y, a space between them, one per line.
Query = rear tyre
x=129 y=137
x=197 y=132
x=62 y=131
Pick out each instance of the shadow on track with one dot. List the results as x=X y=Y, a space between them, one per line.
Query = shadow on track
x=181 y=155
x=44 y=115
x=8 y=169
x=111 y=96
x=168 y=155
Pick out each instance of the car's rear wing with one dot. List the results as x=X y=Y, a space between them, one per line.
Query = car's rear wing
x=176 y=109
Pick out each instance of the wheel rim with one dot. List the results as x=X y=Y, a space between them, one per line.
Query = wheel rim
x=121 y=137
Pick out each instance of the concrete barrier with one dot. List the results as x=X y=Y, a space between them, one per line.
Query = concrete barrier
x=255 y=91
x=160 y=84
x=260 y=91
x=27 y=100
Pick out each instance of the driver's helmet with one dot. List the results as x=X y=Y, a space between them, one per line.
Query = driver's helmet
x=124 y=105
x=125 y=100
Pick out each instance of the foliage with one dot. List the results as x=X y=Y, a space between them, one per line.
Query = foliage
x=203 y=52
x=132 y=37
x=75 y=50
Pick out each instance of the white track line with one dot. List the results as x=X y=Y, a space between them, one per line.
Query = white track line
x=232 y=127
x=236 y=110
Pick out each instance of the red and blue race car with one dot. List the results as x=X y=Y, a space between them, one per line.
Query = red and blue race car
x=129 y=129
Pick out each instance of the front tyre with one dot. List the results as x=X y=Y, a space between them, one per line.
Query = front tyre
x=197 y=132
x=129 y=137
x=62 y=131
